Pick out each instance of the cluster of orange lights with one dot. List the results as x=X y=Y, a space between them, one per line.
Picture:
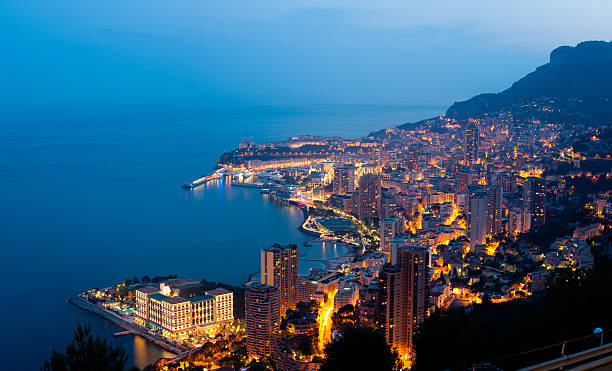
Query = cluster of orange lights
x=537 y=173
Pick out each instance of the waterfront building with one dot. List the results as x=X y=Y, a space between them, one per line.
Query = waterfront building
x=534 y=200
x=369 y=197
x=389 y=228
x=279 y=268
x=344 y=179
x=404 y=297
x=160 y=309
x=262 y=318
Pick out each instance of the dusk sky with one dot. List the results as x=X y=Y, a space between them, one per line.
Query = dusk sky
x=63 y=55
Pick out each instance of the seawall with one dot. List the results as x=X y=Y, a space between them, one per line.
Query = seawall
x=85 y=305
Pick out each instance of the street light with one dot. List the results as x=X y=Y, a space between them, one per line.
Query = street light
x=599 y=332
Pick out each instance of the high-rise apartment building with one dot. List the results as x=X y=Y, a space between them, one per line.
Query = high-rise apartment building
x=471 y=143
x=464 y=179
x=494 y=210
x=519 y=221
x=262 y=318
x=534 y=200
x=404 y=296
x=279 y=268
x=388 y=205
x=344 y=179
x=369 y=197
x=389 y=228
x=477 y=214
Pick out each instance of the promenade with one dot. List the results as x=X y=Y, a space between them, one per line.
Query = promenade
x=172 y=347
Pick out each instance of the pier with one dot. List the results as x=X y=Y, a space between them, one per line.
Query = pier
x=203 y=180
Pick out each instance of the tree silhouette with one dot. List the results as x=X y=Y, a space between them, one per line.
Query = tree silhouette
x=360 y=348
x=263 y=364
x=87 y=353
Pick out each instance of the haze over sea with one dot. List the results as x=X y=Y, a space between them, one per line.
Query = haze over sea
x=90 y=199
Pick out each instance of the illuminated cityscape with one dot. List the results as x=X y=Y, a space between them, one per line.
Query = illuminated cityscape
x=306 y=186
x=433 y=220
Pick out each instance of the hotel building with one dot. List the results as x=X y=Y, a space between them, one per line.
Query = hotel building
x=176 y=317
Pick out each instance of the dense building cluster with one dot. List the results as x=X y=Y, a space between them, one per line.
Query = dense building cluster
x=441 y=211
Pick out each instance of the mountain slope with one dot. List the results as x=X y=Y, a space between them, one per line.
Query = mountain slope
x=578 y=79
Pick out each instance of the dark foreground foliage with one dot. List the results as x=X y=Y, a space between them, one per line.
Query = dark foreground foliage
x=87 y=353
x=360 y=348
x=574 y=305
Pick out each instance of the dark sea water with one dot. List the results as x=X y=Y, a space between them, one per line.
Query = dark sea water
x=87 y=200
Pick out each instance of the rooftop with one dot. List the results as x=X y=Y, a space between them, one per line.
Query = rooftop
x=277 y=247
x=256 y=285
x=199 y=298
x=218 y=291
x=168 y=299
x=175 y=300
x=148 y=289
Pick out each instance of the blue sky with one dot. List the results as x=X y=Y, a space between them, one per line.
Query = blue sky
x=104 y=55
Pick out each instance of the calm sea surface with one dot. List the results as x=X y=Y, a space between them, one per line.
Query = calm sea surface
x=87 y=200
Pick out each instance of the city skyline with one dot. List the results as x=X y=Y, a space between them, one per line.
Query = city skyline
x=306 y=186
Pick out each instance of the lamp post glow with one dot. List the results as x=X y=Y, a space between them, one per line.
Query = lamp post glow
x=599 y=332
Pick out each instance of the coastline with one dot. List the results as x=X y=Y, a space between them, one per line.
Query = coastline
x=83 y=304
x=176 y=349
x=305 y=230
x=118 y=194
